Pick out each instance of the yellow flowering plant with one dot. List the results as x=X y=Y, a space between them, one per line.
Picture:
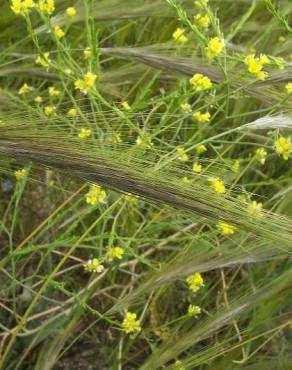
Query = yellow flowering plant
x=130 y=323
x=95 y=195
x=195 y=282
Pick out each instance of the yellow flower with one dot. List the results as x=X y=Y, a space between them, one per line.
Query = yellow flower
x=125 y=105
x=179 y=365
x=87 y=53
x=115 y=138
x=59 y=33
x=195 y=282
x=49 y=110
x=53 y=91
x=197 y=168
x=202 y=20
x=186 y=180
x=43 y=60
x=144 y=142
x=130 y=323
x=95 y=195
x=21 y=6
x=201 y=4
x=255 y=65
x=84 y=133
x=214 y=48
x=185 y=107
x=235 y=166
x=194 y=310
x=283 y=147
x=93 y=265
x=200 y=82
x=38 y=99
x=20 y=174
x=202 y=117
x=261 y=155
x=281 y=38
x=25 y=88
x=115 y=252
x=71 y=11
x=288 y=88
x=217 y=185
x=87 y=83
x=72 y=112
x=225 y=228
x=179 y=36
x=200 y=149
x=47 y=6
x=182 y=156
x=280 y=62
x=255 y=209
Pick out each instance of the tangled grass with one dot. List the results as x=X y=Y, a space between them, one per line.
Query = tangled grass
x=145 y=156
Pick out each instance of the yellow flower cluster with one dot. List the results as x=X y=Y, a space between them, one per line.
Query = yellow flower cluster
x=186 y=180
x=225 y=228
x=130 y=323
x=59 y=33
x=200 y=82
x=21 y=7
x=95 y=195
x=261 y=155
x=182 y=155
x=201 y=149
x=115 y=138
x=115 y=252
x=38 y=99
x=47 y=6
x=87 y=83
x=87 y=53
x=25 y=88
x=72 y=112
x=200 y=4
x=236 y=165
x=20 y=174
x=197 y=168
x=195 y=282
x=194 y=310
x=283 y=147
x=281 y=38
x=49 y=110
x=125 y=105
x=255 y=65
x=186 y=107
x=217 y=185
x=179 y=36
x=71 y=11
x=288 y=88
x=43 y=60
x=53 y=91
x=202 y=117
x=144 y=142
x=255 y=209
x=202 y=20
x=179 y=365
x=93 y=265
x=214 y=48
x=84 y=133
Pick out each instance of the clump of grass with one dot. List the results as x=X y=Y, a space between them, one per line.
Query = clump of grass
x=146 y=185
